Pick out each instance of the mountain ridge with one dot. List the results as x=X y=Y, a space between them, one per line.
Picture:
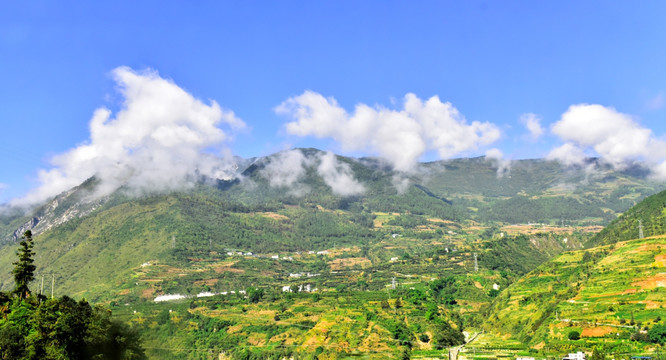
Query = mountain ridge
x=472 y=183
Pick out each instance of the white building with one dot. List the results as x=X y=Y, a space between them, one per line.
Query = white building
x=575 y=356
x=169 y=297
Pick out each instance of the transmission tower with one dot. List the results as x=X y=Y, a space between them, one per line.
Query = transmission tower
x=476 y=264
x=41 y=285
x=640 y=229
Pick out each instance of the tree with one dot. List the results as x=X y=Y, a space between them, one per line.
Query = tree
x=657 y=334
x=444 y=335
x=24 y=269
x=254 y=295
x=573 y=335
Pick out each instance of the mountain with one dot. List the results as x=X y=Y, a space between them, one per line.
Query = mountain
x=445 y=240
x=95 y=246
x=649 y=214
x=536 y=191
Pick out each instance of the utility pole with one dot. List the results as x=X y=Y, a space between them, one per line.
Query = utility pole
x=52 y=284
x=640 y=229
x=393 y=283
x=173 y=242
x=41 y=287
x=476 y=264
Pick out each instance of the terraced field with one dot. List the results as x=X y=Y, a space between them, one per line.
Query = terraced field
x=606 y=294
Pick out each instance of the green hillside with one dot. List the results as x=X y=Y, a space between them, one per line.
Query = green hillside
x=608 y=294
x=651 y=213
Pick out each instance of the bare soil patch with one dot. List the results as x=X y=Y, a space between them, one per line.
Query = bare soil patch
x=228 y=268
x=208 y=282
x=148 y=293
x=598 y=331
x=658 y=280
x=660 y=260
x=339 y=264
x=274 y=216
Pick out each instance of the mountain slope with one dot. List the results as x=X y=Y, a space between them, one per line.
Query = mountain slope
x=603 y=293
x=95 y=245
x=649 y=213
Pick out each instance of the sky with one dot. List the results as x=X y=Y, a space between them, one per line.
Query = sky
x=143 y=91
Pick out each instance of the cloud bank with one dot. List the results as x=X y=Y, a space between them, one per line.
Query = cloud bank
x=159 y=138
x=615 y=137
x=288 y=168
x=401 y=137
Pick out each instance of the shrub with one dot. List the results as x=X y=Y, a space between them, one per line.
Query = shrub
x=573 y=335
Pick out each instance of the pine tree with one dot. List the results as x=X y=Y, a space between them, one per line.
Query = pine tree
x=24 y=270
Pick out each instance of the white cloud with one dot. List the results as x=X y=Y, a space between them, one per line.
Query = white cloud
x=338 y=176
x=286 y=169
x=401 y=137
x=401 y=183
x=615 y=137
x=568 y=154
x=659 y=171
x=533 y=124
x=155 y=142
x=503 y=165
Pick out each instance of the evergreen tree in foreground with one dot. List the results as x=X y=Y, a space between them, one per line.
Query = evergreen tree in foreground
x=59 y=328
x=24 y=269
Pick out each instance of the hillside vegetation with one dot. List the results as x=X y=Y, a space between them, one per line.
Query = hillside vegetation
x=607 y=294
x=649 y=213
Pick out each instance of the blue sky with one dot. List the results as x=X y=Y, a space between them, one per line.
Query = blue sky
x=492 y=61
